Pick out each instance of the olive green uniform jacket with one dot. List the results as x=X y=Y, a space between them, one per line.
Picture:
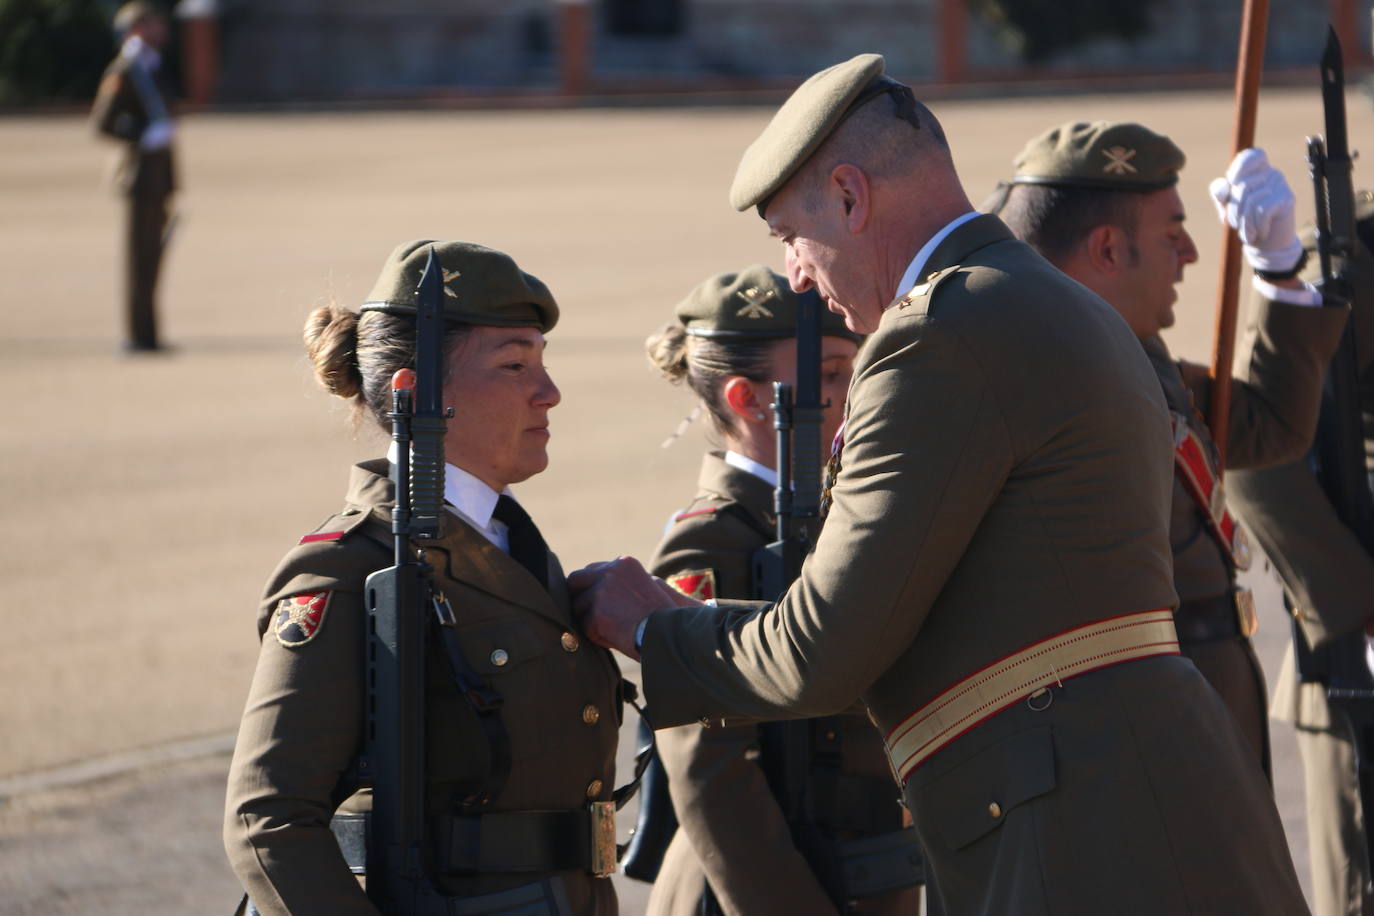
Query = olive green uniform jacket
x=1006 y=476
x=1275 y=396
x=1329 y=579
x=732 y=832
x=302 y=725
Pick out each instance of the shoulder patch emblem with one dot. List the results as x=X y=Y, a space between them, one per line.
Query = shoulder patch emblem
x=300 y=618
x=695 y=583
x=685 y=515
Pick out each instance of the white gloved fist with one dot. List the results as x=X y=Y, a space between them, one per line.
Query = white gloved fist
x=1256 y=201
x=158 y=135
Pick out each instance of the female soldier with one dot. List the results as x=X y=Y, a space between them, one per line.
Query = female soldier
x=507 y=807
x=738 y=851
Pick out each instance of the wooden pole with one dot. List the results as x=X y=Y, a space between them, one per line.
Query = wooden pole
x=573 y=47
x=952 y=53
x=1249 y=66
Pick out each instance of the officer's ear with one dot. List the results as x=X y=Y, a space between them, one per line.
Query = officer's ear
x=850 y=188
x=1108 y=249
x=741 y=399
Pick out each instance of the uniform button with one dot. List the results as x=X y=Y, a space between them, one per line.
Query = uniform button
x=994 y=809
x=590 y=714
x=500 y=657
x=594 y=788
x=570 y=642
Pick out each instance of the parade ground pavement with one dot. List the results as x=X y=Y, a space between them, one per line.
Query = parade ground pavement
x=146 y=499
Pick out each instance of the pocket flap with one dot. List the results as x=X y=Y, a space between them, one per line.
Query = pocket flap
x=975 y=798
x=500 y=646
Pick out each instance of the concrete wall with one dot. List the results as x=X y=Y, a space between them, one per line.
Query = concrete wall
x=323 y=49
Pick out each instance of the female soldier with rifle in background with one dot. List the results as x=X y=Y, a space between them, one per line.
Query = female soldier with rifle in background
x=781 y=818
x=419 y=660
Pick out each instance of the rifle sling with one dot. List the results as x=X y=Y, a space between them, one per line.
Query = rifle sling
x=485 y=704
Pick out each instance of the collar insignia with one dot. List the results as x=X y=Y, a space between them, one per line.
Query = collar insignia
x=450 y=275
x=755 y=298
x=1120 y=163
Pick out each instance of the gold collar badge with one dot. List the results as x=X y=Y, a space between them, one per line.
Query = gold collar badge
x=448 y=276
x=1120 y=163
x=755 y=298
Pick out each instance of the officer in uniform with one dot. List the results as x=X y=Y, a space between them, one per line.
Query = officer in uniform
x=1099 y=201
x=994 y=576
x=510 y=813
x=737 y=849
x=132 y=106
x=1329 y=579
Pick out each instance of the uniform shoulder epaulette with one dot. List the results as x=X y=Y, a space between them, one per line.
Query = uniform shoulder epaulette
x=922 y=293
x=693 y=513
x=337 y=528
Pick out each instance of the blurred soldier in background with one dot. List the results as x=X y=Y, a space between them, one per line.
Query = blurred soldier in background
x=1329 y=579
x=1099 y=200
x=132 y=106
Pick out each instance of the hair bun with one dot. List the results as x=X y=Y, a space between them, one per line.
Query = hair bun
x=667 y=351
x=331 y=342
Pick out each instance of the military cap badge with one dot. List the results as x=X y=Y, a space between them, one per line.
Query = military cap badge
x=300 y=618
x=1119 y=160
x=755 y=299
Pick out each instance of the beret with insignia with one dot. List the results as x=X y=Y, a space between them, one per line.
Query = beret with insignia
x=752 y=303
x=805 y=120
x=1110 y=155
x=481 y=286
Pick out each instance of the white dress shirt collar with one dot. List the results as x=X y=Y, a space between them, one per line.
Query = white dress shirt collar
x=750 y=466
x=916 y=269
x=472 y=501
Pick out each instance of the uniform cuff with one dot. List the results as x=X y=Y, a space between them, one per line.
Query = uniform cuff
x=1306 y=295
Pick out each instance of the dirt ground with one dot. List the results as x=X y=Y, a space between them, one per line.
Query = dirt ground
x=146 y=499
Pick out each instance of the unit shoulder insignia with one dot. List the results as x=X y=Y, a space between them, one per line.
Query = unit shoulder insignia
x=299 y=618
x=695 y=583
x=336 y=529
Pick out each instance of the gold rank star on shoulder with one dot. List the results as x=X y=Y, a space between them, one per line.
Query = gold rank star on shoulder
x=755 y=298
x=1119 y=161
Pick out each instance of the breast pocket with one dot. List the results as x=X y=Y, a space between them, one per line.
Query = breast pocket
x=508 y=658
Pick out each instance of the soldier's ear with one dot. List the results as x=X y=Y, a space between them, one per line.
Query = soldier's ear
x=851 y=189
x=738 y=394
x=1107 y=249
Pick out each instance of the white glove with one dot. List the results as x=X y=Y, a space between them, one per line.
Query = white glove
x=158 y=135
x=1256 y=201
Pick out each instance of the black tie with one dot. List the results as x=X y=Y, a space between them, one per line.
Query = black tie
x=527 y=545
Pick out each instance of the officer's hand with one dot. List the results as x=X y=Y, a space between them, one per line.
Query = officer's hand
x=1256 y=201
x=612 y=598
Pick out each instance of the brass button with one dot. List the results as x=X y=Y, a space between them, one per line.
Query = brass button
x=590 y=714
x=500 y=657
x=994 y=809
x=594 y=788
x=570 y=642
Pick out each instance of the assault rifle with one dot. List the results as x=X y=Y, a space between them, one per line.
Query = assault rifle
x=1338 y=452
x=400 y=600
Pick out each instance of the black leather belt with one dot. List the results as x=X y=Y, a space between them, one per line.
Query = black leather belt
x=527 y=841
x=1208 y=619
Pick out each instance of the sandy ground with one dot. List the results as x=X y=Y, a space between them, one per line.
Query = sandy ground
x=145 y=500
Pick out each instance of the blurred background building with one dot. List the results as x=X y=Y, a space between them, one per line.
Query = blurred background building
x=273 y=51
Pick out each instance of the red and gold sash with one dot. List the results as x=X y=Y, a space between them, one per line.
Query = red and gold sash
x=1193 y=465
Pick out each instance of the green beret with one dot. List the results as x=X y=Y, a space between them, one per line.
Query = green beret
x=754 y=303
x=801 y=125
x=1113 y=156
x=481 y=286
x=132 y=13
